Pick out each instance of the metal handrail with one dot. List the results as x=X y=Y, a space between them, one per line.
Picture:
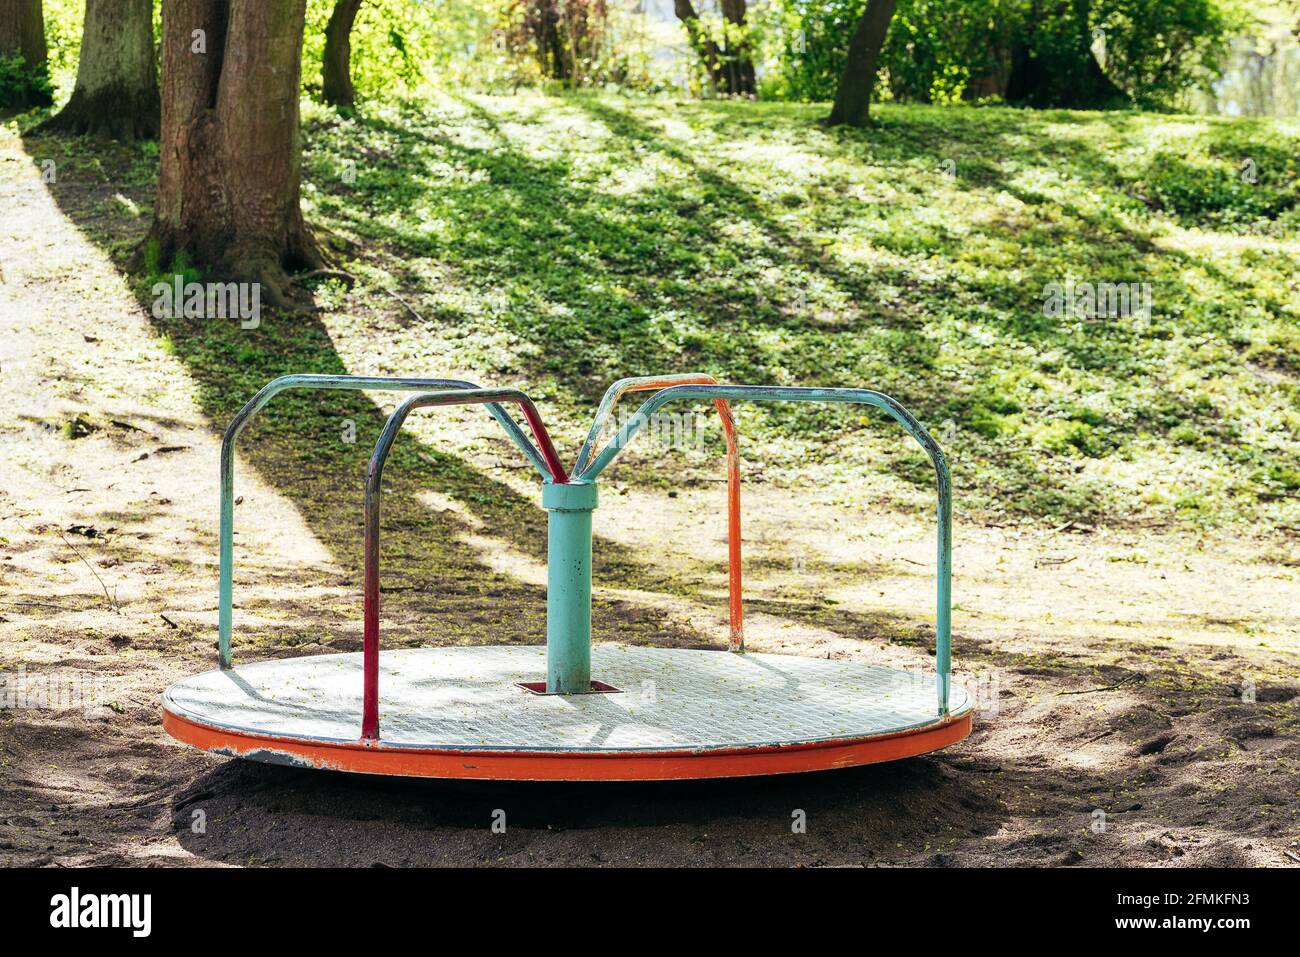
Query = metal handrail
x=374 y=482
x=225 y=613
x=943 y=602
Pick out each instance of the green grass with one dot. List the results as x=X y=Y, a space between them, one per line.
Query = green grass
x=563 y=243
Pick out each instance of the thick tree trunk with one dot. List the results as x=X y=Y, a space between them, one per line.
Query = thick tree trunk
x=336 y=75
x=117 y=80
x=231 y=151
x=22 y=32
x=853 y=98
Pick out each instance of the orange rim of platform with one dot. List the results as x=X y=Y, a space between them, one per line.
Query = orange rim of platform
x=503 y=765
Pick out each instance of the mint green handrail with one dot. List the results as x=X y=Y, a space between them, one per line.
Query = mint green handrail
x=225 y=615
x=943 y=603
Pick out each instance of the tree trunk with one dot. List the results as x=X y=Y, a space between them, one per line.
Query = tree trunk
x=853 y=98
x=701 y=43
x=1071 y=79
x=117 y=80
x=337 y=72
x=739 y=61
x=231 y=151
x=22 y=32
x=553 y=44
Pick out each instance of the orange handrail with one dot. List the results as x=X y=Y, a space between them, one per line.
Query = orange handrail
x=654 y=384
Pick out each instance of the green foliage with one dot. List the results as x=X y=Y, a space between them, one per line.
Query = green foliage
x=936 y=48
x=942 y=51
x=399 y=46
x=20 y=86
x=1156 y=50
x=63 y=26
x=809 y=41
x=1208 y=192
x=937 y=51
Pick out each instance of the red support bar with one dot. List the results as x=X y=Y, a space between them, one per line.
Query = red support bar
x=374 y=480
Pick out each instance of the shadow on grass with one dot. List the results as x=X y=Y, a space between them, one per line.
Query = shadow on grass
x=605 y=271
x=599 y=266
x=437 y=587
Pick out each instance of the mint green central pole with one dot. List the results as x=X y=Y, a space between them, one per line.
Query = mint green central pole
x=568 y=586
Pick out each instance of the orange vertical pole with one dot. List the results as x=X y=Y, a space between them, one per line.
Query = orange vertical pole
x=656 y=383
x=737 y=613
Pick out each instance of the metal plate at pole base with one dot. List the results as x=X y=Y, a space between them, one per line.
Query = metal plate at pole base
x=458 y=713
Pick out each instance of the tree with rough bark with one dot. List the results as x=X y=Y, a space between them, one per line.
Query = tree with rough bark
x=853 y=98
x=231 y=144
x=22 y=35
x=116 y=94
x=336 y=71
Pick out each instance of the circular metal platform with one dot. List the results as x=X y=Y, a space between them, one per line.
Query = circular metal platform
x=461 y=713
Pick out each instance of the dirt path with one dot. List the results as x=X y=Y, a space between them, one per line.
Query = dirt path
x=1116 y=667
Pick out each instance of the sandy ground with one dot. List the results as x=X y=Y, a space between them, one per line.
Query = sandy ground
x=1147 y=675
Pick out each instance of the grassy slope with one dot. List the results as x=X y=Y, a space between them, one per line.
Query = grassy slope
x=563 y=243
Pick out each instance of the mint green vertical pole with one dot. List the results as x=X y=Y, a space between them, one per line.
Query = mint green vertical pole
x=943 y=605
x=568 y=586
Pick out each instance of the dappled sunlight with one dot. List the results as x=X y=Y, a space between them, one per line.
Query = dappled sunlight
x=1104 y=470
x=108 y=415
